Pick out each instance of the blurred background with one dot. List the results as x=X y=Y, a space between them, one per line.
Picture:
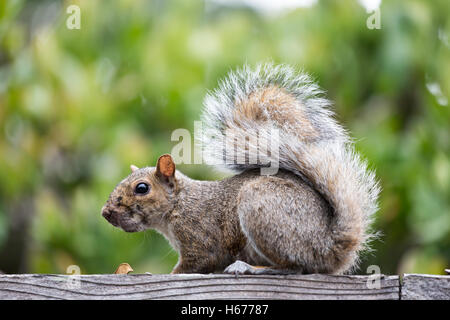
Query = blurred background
x=78 y=106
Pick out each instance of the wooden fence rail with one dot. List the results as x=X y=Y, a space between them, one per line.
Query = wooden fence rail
x=221 y=286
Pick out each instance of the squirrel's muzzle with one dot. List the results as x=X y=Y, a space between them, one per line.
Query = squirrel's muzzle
x=110 y=215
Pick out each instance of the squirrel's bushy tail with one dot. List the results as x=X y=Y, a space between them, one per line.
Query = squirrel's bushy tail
x=240 y=117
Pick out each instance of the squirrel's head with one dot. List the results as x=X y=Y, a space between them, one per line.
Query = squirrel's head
x=142 y=199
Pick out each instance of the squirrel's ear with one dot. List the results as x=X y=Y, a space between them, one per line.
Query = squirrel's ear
x=165 y=166
x=133 y=168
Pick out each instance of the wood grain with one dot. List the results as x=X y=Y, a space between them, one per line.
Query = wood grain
x=425 y=287
x=195 y=286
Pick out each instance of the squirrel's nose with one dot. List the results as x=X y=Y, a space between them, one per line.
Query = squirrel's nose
x=106 y=213
x=109 y=215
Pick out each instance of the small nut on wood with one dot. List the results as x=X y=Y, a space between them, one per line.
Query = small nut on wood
x=123 y=268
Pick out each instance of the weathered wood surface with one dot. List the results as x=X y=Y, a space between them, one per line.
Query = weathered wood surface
x=218 y=286
x=196 y=286
x=425 y=287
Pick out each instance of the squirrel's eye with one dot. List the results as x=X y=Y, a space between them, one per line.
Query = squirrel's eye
x=141 y=188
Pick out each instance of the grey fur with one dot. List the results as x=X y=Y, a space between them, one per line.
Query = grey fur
x=326 y=160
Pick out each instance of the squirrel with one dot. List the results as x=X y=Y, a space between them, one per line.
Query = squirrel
x=313 y=215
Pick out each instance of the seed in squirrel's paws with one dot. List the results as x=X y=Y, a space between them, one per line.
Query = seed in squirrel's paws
x=123 y=268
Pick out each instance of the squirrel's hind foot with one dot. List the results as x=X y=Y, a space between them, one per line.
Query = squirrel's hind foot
x=240 y=267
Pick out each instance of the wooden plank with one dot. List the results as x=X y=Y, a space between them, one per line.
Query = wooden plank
x=425 y=287
x=196 y=286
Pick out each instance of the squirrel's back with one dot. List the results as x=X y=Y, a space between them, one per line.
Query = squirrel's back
x=241 y=117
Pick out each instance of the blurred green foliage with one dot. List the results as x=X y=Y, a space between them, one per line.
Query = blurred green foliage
x=77 y=107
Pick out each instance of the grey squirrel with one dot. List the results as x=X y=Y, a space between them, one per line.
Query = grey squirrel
x=312 y=216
